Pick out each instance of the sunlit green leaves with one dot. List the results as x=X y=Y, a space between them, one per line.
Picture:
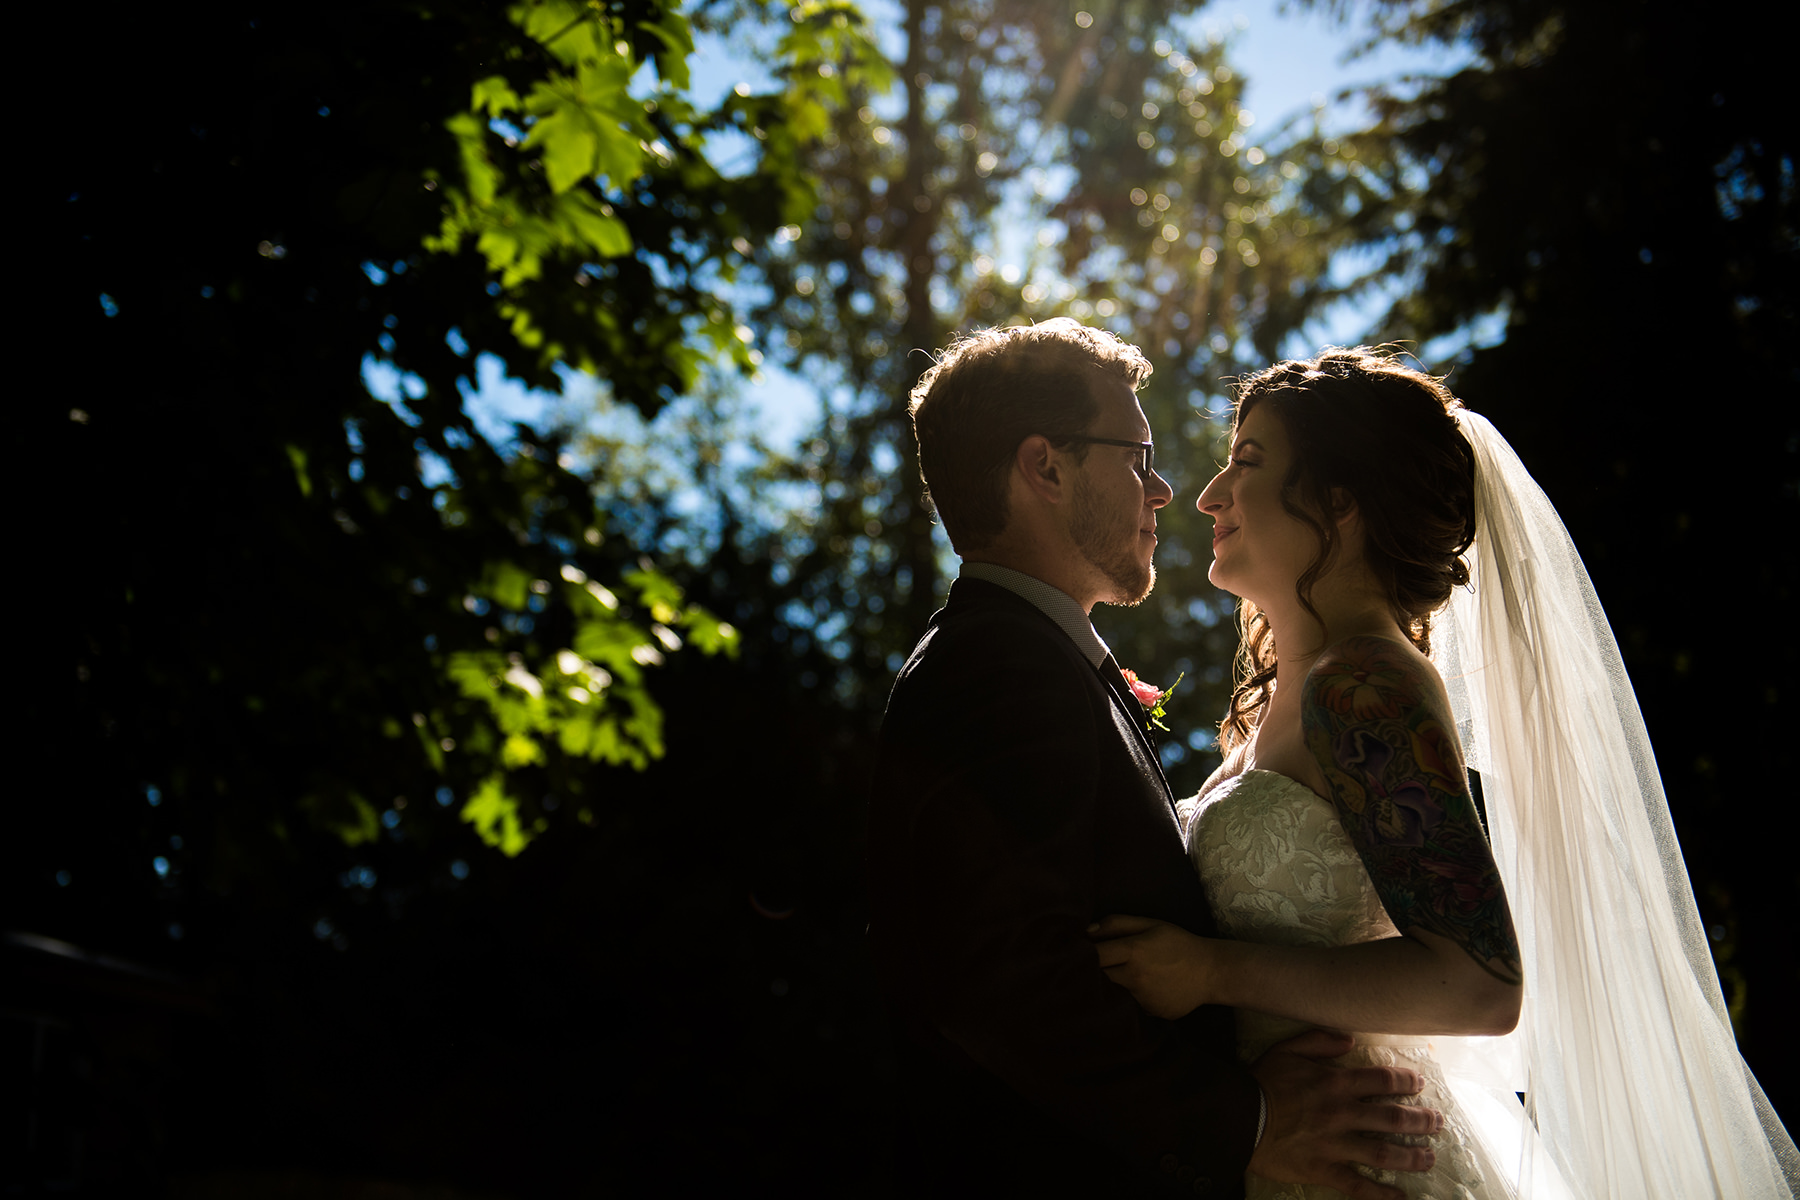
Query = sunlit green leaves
x=493 y=96
x=521 y=751
x=495 y=816
x=658 y=594
x=828 y=53
x=582 y=126
x=678 y=38
x=593 y=168
x=589 y=126
x=710 y=635
x=588 y=700
x=508 y=583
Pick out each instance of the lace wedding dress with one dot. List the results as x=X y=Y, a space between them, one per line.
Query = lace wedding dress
x=1279 y=869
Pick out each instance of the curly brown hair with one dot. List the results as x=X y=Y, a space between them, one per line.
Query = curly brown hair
x=1385 y=433
x=993 y=388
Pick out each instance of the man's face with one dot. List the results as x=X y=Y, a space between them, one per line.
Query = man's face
x=1113 y=513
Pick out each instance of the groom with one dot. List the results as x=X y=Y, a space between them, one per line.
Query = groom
x=1017 y=800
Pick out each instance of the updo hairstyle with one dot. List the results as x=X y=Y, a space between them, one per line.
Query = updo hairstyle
x=1385 y=433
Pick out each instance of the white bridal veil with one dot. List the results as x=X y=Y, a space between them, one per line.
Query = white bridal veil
x=1631 y=1073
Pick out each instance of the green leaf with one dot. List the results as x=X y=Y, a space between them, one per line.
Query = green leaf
x=569 y=145
x=709 y=633
x=474 y=671
x=572 y=32
x=297 y=456
x=434 y=753
x=577 y=734
x=502 y=248
x=612 y=745
x=521 y=751
x=618 y=156
x=507 y=584
x=645 y=725
x=495 y=95
x=591 y=599
x=611 y=643
x=678 y=37
x=347 y=815
x=594 y=227
x=478 y=172
x=495 y=816
x=656 y=592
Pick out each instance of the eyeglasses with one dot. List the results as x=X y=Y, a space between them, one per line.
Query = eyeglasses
x=1146 y=451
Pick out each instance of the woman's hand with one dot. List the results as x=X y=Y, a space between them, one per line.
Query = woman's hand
x=1163 y=966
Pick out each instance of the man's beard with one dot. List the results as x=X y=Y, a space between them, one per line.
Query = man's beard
x=1111 y=551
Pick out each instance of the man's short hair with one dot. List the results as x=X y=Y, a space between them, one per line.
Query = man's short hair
x=993 y=388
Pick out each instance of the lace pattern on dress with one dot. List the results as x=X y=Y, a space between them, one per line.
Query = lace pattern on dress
x=1279 y=869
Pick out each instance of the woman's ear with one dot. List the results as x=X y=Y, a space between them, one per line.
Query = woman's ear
x=1343 y=507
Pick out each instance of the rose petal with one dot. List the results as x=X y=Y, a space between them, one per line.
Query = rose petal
x=1147 y=694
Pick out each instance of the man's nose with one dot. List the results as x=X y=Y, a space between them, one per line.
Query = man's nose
x=1157 y=491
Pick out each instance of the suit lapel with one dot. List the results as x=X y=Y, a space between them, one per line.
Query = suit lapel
x=1114 y=679
x=1128 y=705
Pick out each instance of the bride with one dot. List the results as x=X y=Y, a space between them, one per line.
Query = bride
x=1385 y=542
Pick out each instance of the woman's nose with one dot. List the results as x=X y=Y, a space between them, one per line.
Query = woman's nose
x=1208 y=502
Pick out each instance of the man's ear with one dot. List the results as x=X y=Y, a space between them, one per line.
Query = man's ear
x=1042 y=467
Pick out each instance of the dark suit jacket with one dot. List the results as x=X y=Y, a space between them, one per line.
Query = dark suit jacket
x=1016 y=800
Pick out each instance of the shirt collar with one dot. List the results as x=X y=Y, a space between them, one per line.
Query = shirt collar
x=1053 y=602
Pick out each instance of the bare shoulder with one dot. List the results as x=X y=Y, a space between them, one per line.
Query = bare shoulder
x=1229 y=769
x=1371 y=703
x=1369 y=678
x=1377 y=722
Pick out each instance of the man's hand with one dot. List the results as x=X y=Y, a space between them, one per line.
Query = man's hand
x=1321 y=1120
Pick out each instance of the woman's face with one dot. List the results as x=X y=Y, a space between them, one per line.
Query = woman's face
x=1259 y=548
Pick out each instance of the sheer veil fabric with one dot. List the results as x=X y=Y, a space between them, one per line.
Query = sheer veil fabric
x=1624 y=1049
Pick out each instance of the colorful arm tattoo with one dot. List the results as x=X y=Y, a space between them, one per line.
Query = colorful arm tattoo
x=1376 y=726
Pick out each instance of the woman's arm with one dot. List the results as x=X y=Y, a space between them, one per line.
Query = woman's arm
x=1376 y=721
x=1408 y=984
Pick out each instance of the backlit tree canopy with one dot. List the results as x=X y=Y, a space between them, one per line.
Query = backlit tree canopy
x=309 y=596
x=1033 y=160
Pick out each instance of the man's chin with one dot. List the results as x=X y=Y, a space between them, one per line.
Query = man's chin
x=1131 y=592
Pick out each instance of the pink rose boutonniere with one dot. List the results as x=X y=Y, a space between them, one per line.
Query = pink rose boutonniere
x=1151 y=697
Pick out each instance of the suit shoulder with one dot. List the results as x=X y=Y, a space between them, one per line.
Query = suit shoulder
x=991 y=637
x=971 y=661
